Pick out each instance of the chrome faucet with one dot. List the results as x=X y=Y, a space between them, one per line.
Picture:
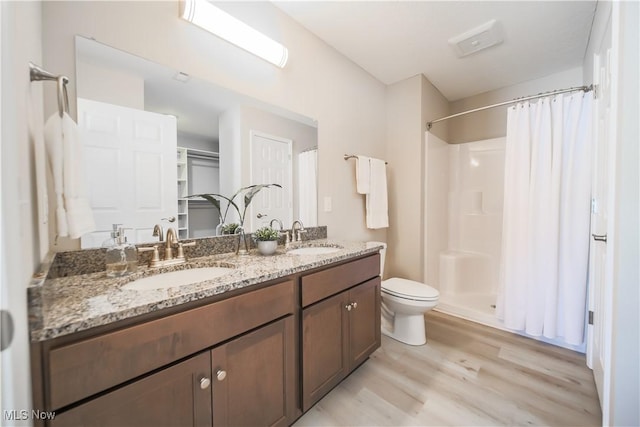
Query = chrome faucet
x=172 y=239
x=282 y=231
x=296 y=237
x=158 y=232
x=278 y=221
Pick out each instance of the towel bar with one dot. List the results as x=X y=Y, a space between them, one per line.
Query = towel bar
x=37 y=73
x=352 y=156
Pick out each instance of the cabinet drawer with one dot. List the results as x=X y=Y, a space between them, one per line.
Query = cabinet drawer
x=84 y=368
x=320 y=285
x=170 y=397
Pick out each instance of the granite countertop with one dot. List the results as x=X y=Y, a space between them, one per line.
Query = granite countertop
x=66 y=305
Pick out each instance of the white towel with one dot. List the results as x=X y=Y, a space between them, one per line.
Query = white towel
x=64 y=149
x=363 y=175
x=377 y=205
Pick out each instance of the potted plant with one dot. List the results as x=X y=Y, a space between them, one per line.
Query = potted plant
x=230 y=228
x=266 y=240
x=248 y=194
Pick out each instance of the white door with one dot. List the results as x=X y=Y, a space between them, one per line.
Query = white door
x=131 y=169
x=16 y=256
x=271 y=163
x=603 y=181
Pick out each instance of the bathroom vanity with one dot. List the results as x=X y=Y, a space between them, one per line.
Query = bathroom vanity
x=256 y=347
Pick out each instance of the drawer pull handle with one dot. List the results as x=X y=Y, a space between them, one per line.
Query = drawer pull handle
x=221 y=375
x=354 y=304
x=348 y=307
x=204 y=383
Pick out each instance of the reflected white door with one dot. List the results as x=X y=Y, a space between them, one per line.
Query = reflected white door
x=271 y=163
x=131 y=169
x=603 y=180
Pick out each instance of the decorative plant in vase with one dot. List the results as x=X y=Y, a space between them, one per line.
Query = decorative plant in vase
x=229 y=228
x=266 y=240
x=247 y=193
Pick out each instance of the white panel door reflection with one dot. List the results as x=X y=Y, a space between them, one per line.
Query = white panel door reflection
x=271 y=163
x=131 y=169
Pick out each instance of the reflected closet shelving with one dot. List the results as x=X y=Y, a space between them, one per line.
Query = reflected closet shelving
x=185 y=185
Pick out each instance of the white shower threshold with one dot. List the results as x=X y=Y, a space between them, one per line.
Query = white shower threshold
x=480 y=308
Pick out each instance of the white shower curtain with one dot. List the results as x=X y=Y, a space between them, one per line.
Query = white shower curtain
x=547 y=196
x=308 y=187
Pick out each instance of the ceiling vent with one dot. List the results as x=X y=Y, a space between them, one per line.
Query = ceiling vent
x=476 y=39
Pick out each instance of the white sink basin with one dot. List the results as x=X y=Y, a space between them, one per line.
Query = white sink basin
x=174 y=279
x=314 y=250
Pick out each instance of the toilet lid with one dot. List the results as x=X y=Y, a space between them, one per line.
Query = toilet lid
x=404 y=288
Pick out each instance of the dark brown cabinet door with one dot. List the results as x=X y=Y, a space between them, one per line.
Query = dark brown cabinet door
x=254 y=377
x=364 y=321
x=338 y=334
x=176 y=396
x=325 y=356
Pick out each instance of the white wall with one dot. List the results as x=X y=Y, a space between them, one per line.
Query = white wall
x=492 y=123
x=104 y=84
x=318 y=82
x=198 y=142
x=230 y=143
x=410 y=104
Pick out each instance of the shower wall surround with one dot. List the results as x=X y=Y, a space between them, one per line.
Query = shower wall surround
x=463 y=233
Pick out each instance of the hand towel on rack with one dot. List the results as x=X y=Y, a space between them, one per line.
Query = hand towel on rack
x=363 y=175
x=64 y=149
x=377 y=205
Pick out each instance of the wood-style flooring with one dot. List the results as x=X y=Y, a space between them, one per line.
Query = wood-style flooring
x=466 y=375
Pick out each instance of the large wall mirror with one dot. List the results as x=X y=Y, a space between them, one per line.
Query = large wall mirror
x=153 y=136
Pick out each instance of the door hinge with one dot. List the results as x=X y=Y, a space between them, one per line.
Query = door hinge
x=590 y=317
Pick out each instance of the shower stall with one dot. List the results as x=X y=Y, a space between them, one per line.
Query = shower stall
x=463 y=228
x=463 y=231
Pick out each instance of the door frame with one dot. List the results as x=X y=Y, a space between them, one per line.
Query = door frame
x=609 y=53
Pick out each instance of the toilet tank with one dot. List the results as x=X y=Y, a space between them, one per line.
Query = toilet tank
x=383 y=253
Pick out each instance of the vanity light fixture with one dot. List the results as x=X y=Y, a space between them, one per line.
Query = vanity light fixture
x=216 y=21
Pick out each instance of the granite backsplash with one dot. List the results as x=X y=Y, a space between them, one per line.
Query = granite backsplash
x=87 y=261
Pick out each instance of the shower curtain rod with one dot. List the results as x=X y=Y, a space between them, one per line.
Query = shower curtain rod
x=514 y=101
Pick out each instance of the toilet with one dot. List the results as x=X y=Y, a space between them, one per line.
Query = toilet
x=404 y=303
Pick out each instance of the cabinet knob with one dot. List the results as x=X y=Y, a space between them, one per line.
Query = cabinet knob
x=354 y=304
x=204 y=383
x=348 y=307
x=221 y=375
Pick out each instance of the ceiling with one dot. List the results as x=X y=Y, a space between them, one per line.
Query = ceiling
x=400 y=39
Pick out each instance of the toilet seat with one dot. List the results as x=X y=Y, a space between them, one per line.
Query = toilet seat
x=409 y=289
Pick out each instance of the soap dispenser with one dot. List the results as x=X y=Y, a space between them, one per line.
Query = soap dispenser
x=121 y=256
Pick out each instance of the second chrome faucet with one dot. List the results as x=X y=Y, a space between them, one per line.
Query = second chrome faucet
x=171 y=240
